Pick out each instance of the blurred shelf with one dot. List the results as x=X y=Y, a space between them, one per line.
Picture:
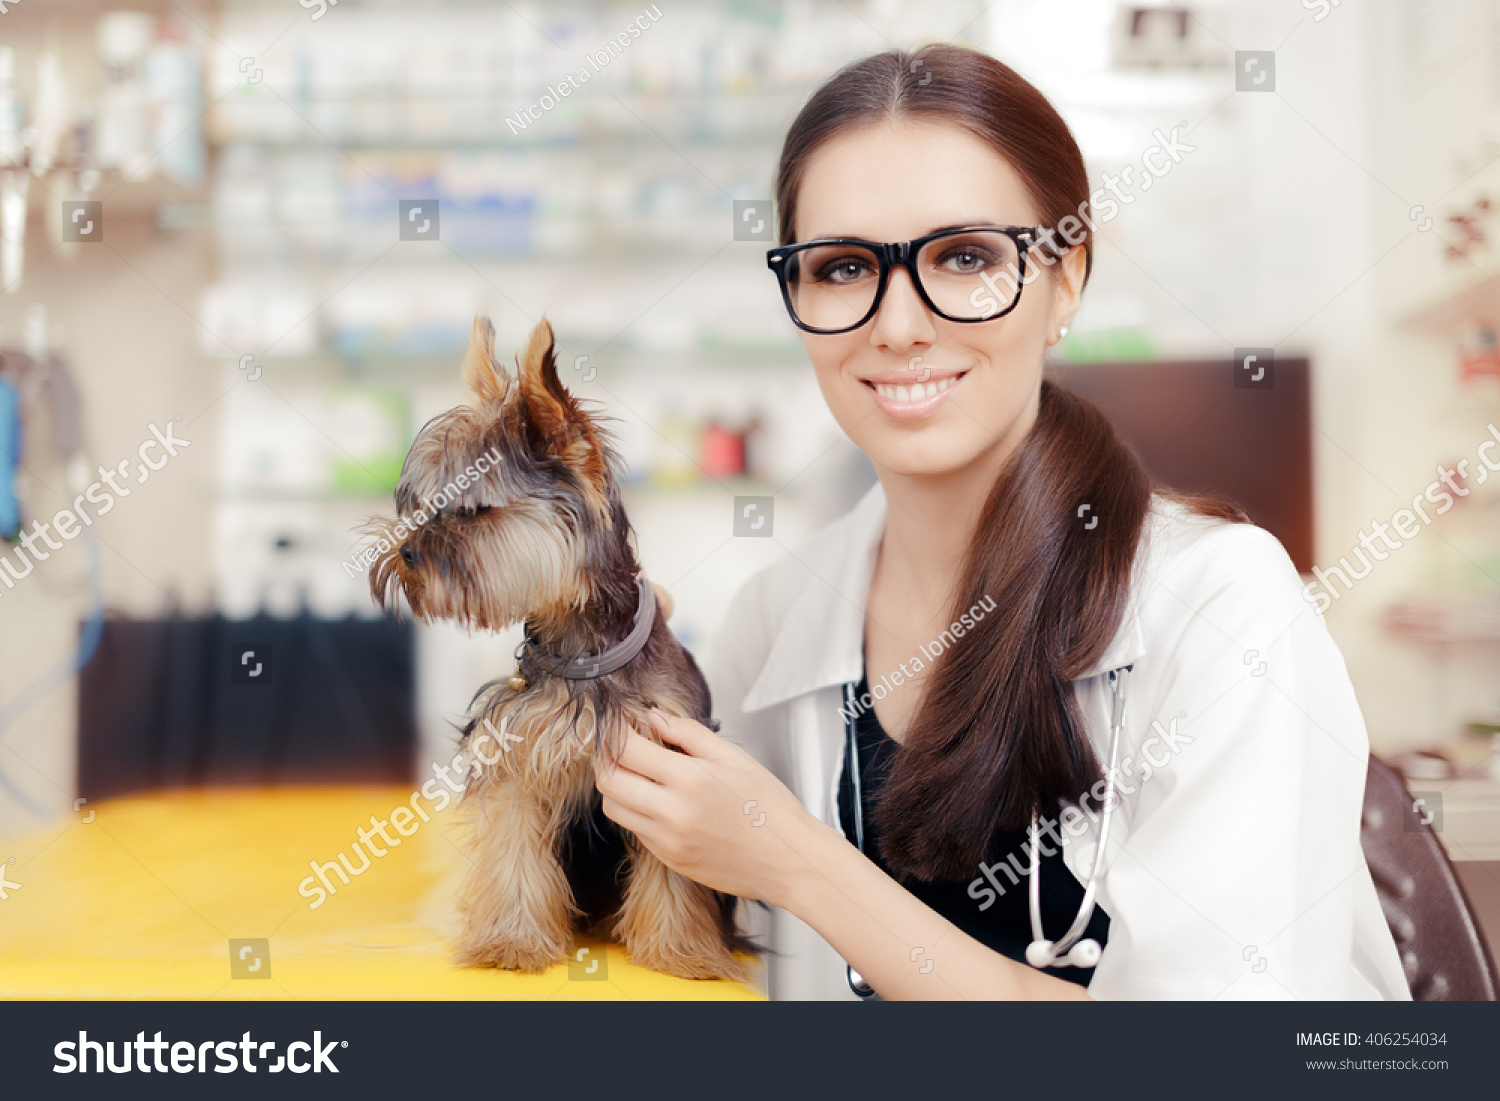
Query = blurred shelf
x=595 y=122
x=1466 y=290
x=365 y=97
x=1445 y=618
x=738 y=486
x=591 y=141
x=633 y=359
x=124 y=198
x=1469 y=299
x=1139 y=90
x=282 y=497
x=1471 y=815
x=626 y=242
x=432 y=5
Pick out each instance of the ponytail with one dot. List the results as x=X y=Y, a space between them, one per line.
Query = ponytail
x=998 y=729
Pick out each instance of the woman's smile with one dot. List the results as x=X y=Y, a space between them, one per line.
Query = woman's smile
x=909 y=400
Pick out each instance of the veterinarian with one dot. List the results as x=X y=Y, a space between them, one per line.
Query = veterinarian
x=1020 y=725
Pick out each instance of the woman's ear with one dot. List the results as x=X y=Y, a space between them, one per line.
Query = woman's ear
x=1067 y=290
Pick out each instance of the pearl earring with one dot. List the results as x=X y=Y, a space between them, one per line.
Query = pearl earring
x=1062 y=332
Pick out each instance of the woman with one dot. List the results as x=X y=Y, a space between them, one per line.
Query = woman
x=927 y=690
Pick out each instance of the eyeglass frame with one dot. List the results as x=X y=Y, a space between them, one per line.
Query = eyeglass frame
x=904 y=254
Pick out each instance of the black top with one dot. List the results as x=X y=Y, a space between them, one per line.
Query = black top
x=1004 y=923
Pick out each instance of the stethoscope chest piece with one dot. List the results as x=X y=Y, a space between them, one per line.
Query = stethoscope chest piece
x=1086 y=953
x=857 y=983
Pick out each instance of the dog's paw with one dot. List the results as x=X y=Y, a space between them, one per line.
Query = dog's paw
x=709 y=964
x=511 y=956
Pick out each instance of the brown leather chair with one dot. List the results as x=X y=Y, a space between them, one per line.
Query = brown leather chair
x=1443 y=949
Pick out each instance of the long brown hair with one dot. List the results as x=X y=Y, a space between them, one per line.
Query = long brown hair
x=998 y=729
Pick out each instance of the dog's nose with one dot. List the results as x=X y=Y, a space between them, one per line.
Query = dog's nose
x=408 y=555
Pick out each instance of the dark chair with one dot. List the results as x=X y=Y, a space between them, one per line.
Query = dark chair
x=1443 y=950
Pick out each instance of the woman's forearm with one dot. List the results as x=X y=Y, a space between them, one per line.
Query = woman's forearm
x=690 y=808
x=901 y=947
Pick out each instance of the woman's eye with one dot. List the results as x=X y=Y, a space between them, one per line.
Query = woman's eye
x=850 y=269
x=966 y=261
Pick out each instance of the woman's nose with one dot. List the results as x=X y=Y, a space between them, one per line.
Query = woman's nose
x=903 y=318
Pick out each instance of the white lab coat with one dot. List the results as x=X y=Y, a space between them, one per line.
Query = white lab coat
x=1234 y=870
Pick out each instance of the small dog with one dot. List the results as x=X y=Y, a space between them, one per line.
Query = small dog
x=542 y=537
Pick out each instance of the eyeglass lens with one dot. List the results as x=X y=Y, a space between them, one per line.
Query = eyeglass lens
x=968 y=276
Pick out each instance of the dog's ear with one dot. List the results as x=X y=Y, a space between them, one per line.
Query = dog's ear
x=565 y=429
x=486 y=379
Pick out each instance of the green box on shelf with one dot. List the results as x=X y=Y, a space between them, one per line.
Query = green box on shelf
x=370 y=432
x=1108 y=346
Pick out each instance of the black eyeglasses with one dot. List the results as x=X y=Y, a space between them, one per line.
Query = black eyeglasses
x=968 y=274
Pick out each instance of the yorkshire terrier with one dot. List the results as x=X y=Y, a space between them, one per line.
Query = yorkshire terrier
x=541 y=537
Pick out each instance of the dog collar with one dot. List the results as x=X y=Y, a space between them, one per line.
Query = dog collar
x=589 y=666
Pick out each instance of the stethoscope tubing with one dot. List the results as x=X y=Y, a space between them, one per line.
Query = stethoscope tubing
x=1041 y=953
x=855 y=980
x=1058 y=951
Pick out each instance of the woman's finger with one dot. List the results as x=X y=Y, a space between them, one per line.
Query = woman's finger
x=626 y=818
x=628 y=787
x=641 y=755
x=692 y=737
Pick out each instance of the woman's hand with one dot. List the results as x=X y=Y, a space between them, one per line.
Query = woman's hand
x=715 y=815
x=711 y=812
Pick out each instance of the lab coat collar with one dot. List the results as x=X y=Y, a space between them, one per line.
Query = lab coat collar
x=821 y=641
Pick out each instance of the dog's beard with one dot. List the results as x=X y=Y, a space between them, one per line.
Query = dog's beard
x=489 y=571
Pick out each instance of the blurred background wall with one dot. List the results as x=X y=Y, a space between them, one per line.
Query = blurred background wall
x=251 y=277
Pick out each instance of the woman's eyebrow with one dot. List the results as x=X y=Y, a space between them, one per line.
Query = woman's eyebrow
x=965 y=223
x=961 y=224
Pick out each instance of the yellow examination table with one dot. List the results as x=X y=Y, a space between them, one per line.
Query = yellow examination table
x=141 y=897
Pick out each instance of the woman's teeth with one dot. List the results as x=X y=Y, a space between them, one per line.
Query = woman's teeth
x=915 y=392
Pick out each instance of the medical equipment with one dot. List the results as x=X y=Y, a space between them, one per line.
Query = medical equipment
x=31 y=371
x=1070 y=951
x=856 y=980
x=10 y=458
x=146 y=121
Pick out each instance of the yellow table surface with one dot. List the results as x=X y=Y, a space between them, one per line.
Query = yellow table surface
x=142 y=902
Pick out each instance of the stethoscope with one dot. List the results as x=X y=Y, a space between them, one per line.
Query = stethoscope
x=1074 y=949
